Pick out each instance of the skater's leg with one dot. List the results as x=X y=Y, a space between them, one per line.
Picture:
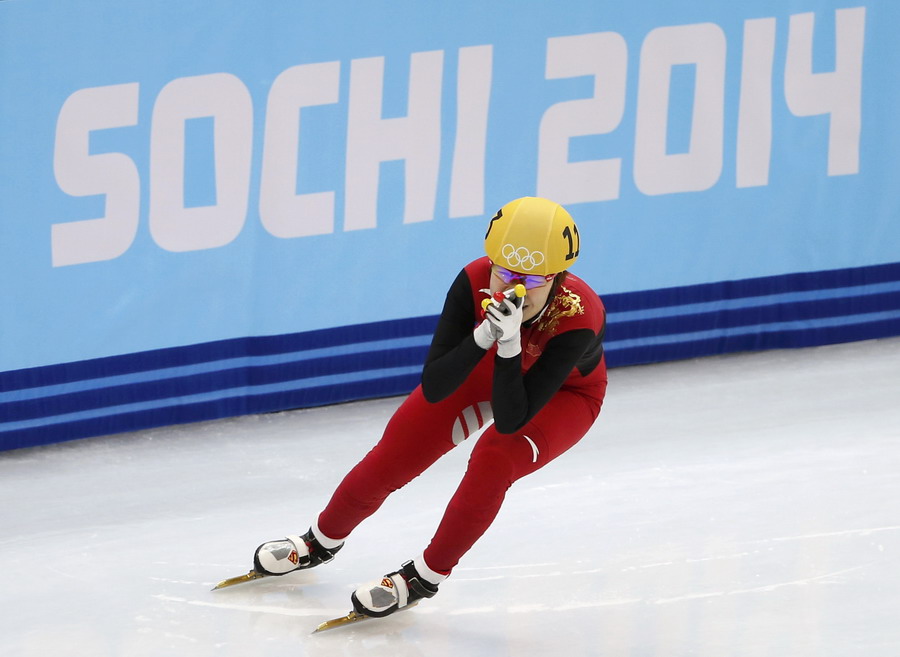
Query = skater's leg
x=411 y=442
x=417 y=435
x=497 y=461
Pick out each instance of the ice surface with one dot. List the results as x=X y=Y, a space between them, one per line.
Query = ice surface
x=744 y=505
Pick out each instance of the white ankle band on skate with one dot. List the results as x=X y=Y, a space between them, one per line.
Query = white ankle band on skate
x=429 y=575
x=402 y=590
x=324 y=541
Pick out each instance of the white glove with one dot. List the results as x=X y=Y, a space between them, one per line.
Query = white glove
x=486 y=335
x=506 y=318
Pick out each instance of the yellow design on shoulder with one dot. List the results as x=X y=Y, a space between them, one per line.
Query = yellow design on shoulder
x=565 y=304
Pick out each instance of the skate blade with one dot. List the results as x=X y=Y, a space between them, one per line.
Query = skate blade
x=352 y=617
x=240 y=579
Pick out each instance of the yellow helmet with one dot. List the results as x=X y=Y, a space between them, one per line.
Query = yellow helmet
x=532 y=236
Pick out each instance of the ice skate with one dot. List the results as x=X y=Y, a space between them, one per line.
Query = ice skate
x=276 y=558
x=394 y=591
x=397 y=591
x=293 y=553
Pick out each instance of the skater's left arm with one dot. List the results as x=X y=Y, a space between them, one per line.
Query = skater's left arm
x=453 y=353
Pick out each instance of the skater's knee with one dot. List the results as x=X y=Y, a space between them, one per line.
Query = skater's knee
x=509 y=456
x=492 y=465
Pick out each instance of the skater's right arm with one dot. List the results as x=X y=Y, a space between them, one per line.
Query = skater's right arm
x=453 y=353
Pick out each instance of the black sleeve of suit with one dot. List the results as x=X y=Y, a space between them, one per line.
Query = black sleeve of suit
x=453 y=353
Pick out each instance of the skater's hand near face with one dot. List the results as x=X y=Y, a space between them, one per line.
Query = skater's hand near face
x=506 y=318
x=486 y=335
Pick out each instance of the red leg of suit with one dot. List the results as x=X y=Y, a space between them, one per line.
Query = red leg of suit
x=419 y=433
x=497 y=461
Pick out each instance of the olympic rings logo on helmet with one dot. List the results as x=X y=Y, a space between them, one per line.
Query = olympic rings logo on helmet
x=521 y=259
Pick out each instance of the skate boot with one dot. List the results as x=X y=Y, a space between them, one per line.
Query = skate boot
x=396 y=590
x=295 y=553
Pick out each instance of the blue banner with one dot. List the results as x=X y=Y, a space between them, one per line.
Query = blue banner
x=179 y=176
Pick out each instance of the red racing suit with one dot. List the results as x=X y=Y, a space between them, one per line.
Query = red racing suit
x=542 y=401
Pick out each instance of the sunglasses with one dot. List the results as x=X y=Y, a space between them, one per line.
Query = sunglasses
x=530 y=281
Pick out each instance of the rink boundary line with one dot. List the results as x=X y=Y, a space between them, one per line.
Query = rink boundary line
x=766 y=588
x=263 y=609
x=507 y=567
x=522 y=609
x=306 y=612
x=845 y=532
x=679 y=562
